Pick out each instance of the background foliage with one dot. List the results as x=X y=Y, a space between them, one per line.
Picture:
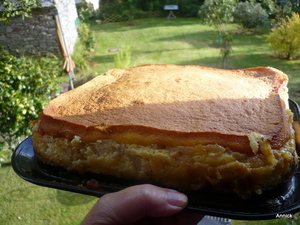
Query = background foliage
x=11 y=8
x=187 y=8
x=84 y=46
x=285 y=38
x=217 y=13
x=250 y=15
x=26 y=84
x=153 y=40
x=85 y=11
x=123 y=58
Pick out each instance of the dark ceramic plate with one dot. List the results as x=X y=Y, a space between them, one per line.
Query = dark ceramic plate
x=279 y=201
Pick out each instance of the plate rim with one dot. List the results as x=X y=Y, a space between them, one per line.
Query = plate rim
x=189 y=208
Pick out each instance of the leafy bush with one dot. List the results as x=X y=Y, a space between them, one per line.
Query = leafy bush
x=189 y=8
x=86 y=36
x=84 y=46
x=117 y=6
x=217 y=12
x=132 y=9
x=284 y=39
x=284 y=9
x=150 y=5
x=123 y=58
x=270 y=6
x=126 y=8
x=11 y=9
x=85 y=10
x=26 y=84
x=250 y=15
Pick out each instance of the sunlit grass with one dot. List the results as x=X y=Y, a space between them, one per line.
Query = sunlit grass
x=180 y=41
x=184 y=42
x=24 y=203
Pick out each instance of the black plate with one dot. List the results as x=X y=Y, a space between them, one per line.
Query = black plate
x=283 y=199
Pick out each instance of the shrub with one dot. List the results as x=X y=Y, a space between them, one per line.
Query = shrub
x=132 y=9
x=85 y=10
x=284 y=39
x=126 y=9
x=270 y=6
x=26 y=84
x=9 y=9
x=284 y=9
x=86 y=36
x=84 y=46
x=217 y=12
x=123 y=58
x=250 y=15
x=189 y=8
x=148 y=6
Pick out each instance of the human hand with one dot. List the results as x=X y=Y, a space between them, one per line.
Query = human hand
x=141 y=204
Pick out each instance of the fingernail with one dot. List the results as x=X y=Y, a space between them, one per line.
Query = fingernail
x=177 y=199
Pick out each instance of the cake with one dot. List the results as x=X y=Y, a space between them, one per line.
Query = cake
x=185 y=127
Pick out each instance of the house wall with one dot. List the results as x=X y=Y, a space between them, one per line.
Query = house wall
x=37 y=35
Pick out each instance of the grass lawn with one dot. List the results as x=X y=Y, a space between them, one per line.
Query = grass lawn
x=24 y=203
x=179 y=41
x=183 y=41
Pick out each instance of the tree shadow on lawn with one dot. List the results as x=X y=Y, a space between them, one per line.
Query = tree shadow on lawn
x=209 y=38
x=197 y=39
x=108 y=58
x=71 y=198
x=214 y=62
x=140 y=24
x=148 y=51
x=26 y=193
x=253 y=39
x=243 y=61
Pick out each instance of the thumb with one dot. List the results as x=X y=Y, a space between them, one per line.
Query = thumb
x=134 y=203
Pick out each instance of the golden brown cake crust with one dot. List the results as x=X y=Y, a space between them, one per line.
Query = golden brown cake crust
x=174 y=106
x=182 y=167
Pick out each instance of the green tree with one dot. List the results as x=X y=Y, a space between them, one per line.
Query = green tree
x=14 y=8
x=149 y=5
x=226 y=48
x=284 y=9
x=270 y=6
x=26 y=84
x=250 y=15
x=219 y=13
x=126 y=8
x=85 y=11
x=189 y=8
x=284 y=39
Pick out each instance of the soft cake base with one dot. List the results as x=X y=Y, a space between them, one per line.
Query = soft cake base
x=182 y=167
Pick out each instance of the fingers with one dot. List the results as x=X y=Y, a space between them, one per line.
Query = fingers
x=135 y=203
